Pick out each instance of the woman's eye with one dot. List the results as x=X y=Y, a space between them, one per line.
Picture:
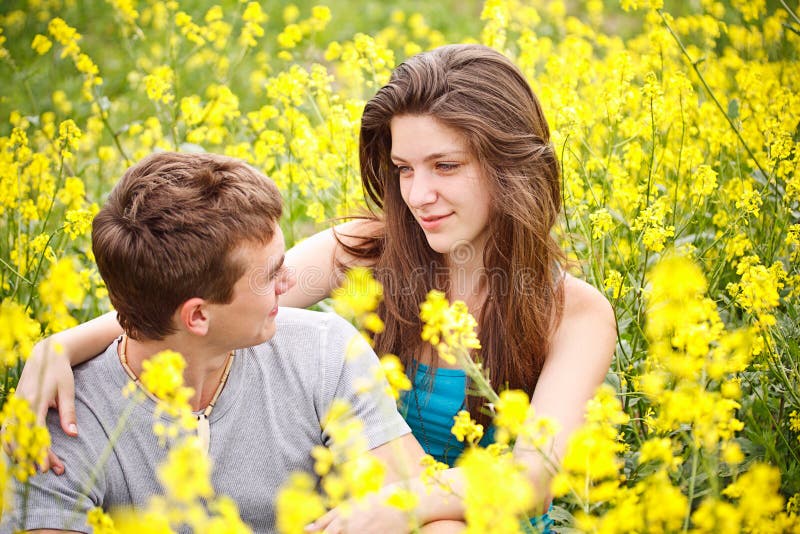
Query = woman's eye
x=403 y=169
x=447 y=167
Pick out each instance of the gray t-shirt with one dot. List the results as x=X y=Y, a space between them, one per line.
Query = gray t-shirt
x=263 y=427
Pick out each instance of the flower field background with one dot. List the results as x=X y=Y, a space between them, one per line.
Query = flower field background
x=678 y=129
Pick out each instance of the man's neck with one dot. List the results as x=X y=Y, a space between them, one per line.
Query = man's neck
x=204 y=365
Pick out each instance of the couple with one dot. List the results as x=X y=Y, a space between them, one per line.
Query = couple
x=455 y=153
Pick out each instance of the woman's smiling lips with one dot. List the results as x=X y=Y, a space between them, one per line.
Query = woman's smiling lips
x=431 y=222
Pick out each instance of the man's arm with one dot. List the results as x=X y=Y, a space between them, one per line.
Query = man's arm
x=52 y=531
x=401 y=456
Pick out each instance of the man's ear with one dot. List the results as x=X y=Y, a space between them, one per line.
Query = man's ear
x=193 y=316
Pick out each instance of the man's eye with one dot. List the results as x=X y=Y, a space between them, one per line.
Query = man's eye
x=278 y=272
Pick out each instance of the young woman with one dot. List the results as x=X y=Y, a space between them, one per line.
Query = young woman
x=456 y=157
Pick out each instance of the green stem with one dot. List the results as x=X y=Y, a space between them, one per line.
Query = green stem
x=14 y=271
x=695 y=458
x=38 y=270
x=680 y=157
x=789 y=10
x=772 y=417
x=564 y=194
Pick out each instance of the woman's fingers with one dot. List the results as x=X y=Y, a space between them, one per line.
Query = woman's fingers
x=66 y=407
x=323 y=522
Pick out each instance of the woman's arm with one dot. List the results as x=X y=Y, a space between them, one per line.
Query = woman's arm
x=47 y=379
x=313 y=262
x=580 y=355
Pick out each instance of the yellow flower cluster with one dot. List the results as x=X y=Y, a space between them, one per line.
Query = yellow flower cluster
x=358 y=297
x=18 y=333
x=465 y=429
x=162 y=375
x=448 y=327
x=500 y=507
x=345 y=469
x=589 y=470
x=68 y=38
x=26 y=440
x=688 y=346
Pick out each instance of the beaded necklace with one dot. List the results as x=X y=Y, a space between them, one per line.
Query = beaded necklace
x=203 y=426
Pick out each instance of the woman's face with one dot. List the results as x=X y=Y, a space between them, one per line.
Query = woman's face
x=442 y=184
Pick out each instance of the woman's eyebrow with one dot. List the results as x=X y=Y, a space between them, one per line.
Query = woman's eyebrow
x=437 y=155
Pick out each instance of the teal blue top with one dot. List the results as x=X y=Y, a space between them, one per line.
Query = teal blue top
x=429 y=409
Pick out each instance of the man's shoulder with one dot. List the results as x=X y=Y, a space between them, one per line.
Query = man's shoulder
x=302 y=317
x=99 y=385
x=295 y=325
x=306 y=340
x=102 y=363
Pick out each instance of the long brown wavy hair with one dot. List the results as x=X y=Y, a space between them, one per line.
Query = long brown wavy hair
x=481 y=94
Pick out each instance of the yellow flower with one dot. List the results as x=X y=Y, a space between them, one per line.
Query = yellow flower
x=403 y=500
x=656 y=450
x=758 y=496
x=323 y=460
x=18 y=333
x=253 y=13
x=512 y=411
x=290 y=36
x=186 y=473
x=68 y=136
x=465 y=429
x=449 y=328
x=430 y=468
x=100 y=522
x=253 y=17
x=602 y=222
x=73 y=194
x=158 y=84
x=321 y=15
x=392 y=369
x=162 y=375
x=298 y=503
x=732 y=453
x=189 y=28
x=61 y=288
x=79 y=222
x=41 y=44
x=615 y=284
x=494 y=507
x=357 y=296
x=23 y=437
x=65 y=35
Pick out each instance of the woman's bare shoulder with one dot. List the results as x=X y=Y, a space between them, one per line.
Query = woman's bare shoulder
x=587 y=312
x=581 y=297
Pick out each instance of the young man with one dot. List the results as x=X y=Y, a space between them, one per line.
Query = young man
x=191 y=252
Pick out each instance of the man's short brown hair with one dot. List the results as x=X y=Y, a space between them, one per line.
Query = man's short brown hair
x=168 y=232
